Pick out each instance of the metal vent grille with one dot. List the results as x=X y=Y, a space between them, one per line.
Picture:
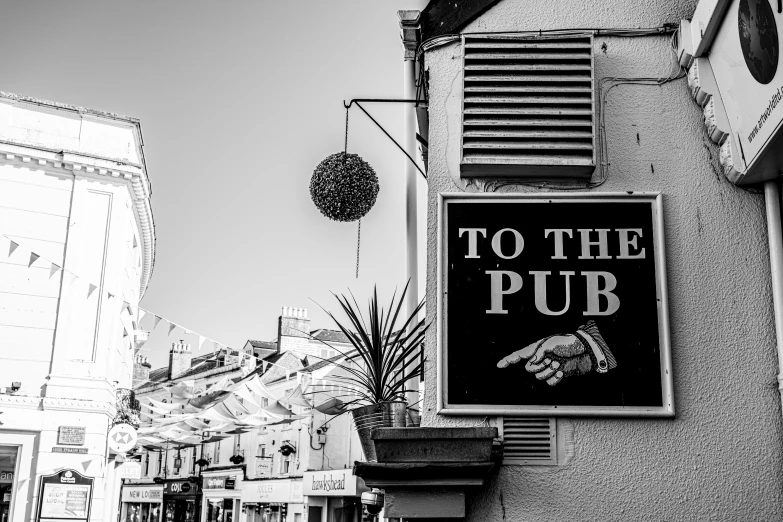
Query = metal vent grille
x=529 y=441
x=528 y=107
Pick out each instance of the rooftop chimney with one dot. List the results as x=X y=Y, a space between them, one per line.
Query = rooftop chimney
x=141 y=371
x=293 y=330
x=179 y=359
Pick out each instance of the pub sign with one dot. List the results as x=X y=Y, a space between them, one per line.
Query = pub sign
x=553 y=304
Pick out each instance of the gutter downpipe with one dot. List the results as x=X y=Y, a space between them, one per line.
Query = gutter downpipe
x=775 y=234
x=409 y=25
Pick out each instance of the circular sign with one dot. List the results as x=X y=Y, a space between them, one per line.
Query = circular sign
x=185 y=487
x=758 y=36
x=122 y=438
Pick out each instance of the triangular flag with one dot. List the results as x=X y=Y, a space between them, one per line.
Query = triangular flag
x=90 y=290
x=53 y=270
x=215 y=346
x=263 y=366
x=287 y=375
x=33 y=258
x=135 y=244
x=171 y=327
x=71 y=278
x=126 y=306
x=14 y=246
x=155 y=321
x=201 y=340
x=124 y=332
x=142 y=314
x=110 y=294
x=187 y=332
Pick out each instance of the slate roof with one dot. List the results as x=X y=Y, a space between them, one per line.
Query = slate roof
x=330 y=336
x=267 y=345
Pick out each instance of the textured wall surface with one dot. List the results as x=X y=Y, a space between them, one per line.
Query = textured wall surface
x=720 y=458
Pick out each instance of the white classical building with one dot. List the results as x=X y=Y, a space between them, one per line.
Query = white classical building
x=77 y=247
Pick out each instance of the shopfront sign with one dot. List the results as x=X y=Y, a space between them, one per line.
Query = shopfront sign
x=129 y=470
x=219 y=482
x=265 y=491
x=334 y=483
x=65 y=495
x=142 y=494
x=553 y=304
x=6 y=476
x=71 y=435
x=263 y=468
x=180 y=488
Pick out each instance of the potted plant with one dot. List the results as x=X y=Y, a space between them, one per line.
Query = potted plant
x=386 y=356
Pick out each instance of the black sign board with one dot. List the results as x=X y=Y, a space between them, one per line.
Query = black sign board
x=553 y=304
x=180 y=488
x=66 y=495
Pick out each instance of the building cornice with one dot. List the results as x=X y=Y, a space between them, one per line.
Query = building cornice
x=29 y=402
x=76 y=163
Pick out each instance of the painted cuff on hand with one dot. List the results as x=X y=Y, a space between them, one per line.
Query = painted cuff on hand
x=604 y=358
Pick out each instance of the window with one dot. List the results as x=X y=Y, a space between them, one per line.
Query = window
x=160 y=463
x=285 y=465
x=261 y=452
x=147 y=464
x=217 y=452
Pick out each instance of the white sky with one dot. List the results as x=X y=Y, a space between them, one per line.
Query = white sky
x=238 y=102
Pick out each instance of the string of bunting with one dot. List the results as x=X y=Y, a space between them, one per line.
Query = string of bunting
x=34 y=258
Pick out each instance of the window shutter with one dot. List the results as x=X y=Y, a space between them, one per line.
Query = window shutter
x=528 y=107
x=529 y=441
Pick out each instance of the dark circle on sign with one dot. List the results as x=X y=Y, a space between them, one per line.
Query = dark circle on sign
x=185 y=487
x=758 y=34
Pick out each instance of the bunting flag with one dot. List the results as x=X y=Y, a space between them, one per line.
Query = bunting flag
x=155 y=321
x=91 y=290
x=14 y=246
x=126 y=306
x=53 y=270
x=201 y=340
x=71 y=278
x=124 y=332
x=264 y=364
x=33 y=258
x=142 y=314
x=110 y=294
x=295 y=397
x=171 y=327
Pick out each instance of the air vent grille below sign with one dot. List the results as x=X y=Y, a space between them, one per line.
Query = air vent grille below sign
x=529 y=441
x=528 y=107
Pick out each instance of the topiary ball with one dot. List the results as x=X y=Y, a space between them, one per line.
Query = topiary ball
x=344 y=187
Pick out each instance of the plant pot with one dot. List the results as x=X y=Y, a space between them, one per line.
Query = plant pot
x=433 y=444
x=381 y=415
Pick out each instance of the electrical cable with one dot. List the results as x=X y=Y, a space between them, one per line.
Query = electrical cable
x=605 y=85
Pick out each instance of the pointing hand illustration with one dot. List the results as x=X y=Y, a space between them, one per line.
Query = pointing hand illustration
x=565 y=355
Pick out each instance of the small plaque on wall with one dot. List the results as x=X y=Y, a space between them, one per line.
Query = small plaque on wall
x=71 y=435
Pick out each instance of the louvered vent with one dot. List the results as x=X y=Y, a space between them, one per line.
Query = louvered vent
x=529 y=441
x=528 y=107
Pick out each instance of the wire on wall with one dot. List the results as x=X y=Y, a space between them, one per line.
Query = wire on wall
x=605 y=85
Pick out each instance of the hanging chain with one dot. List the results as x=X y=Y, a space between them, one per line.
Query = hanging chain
x=346 y=132
x=359 y=233
x=358 y=243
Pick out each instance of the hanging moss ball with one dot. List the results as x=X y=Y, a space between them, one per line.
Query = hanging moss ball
x=344 y=187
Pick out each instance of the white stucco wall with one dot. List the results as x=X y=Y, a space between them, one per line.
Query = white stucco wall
x=720 y=458
x=74 y=191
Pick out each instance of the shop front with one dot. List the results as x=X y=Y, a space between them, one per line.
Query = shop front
x=279 y=500
x=141 y=503
x=181 y=501
x=221 y=495
x=333 y=496
x=7 y=473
